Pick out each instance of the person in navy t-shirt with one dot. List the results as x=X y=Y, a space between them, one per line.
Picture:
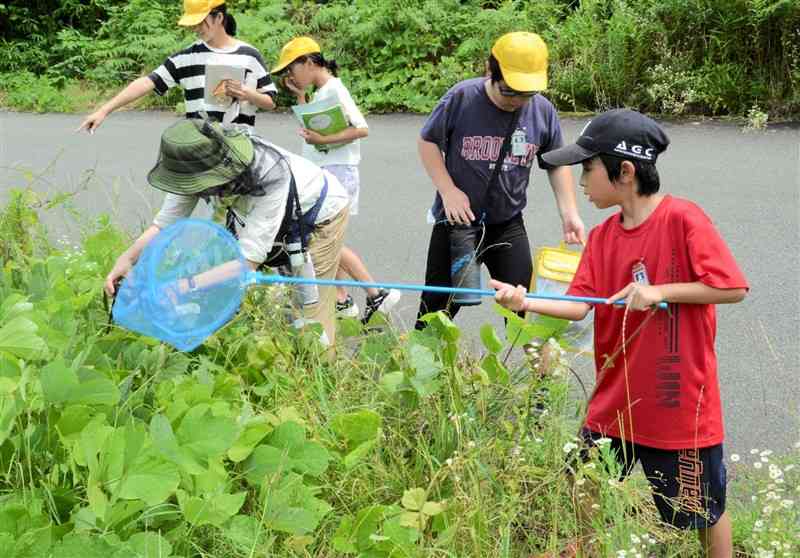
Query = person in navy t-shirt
x=459 y=145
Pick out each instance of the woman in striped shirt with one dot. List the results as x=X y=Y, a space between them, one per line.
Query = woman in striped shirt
x=215 y=29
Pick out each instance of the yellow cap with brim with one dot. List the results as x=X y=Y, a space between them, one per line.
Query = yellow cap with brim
x=522 y=57
x=293 y=50
x=195 y=11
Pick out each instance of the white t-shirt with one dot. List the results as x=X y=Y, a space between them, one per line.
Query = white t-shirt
x=349 y=154
x=263 y=215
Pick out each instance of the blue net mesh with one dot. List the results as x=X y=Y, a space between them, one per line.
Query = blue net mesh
x=189 y=281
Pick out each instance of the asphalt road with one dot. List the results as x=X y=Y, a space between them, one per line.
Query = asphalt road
x=749 y=183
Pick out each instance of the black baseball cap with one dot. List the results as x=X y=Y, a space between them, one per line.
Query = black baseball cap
x=621 y=132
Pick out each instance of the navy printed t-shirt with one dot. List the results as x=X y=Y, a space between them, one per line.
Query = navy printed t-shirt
x=469 y=129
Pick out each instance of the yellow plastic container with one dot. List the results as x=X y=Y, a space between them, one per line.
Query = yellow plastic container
x=553 y=270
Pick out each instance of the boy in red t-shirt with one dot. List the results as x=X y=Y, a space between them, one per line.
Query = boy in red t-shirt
x=658 y=400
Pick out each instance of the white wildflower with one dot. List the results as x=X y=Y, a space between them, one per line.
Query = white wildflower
x=775 y=472
x=471 y=444
x=449 y=462
x=787 y=503
x=735 y=457
x=569 y=446
x=764 y=459
x=754 y=451
x=621 y=553
x=766 y=510
x=766 y=453
x=788 y=467
x=758 y=525
x=635 y=539
x=758 y=464
x=602 y=441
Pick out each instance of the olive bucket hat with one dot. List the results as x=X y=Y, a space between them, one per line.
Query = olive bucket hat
x=196 y=155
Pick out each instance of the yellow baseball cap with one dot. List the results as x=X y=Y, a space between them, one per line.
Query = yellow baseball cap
x=523 y=60
x=195 y=11
x=293 y=50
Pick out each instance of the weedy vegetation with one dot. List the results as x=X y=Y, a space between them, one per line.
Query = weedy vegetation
x=404 y=445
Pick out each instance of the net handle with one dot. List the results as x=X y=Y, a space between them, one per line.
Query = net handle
x=270 y=279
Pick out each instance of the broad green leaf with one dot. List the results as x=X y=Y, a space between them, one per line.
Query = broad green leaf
x=414 y=499
x=248 y=534
x=90 y=442
x=18 y=337
x=292 y=507
x=490 y=339
x=288 y=435
x=59 y=381
x=306 y=457
x=11 y=406
x=98 y=501
x=518 y=331
x=60 y=384
x=357 y=427
x=206 y=436
x=10 y=375
x=213 y=509
x=151 y=479
x=412 y=520
x=150 y=545
x=167 y=446
x=443 y=326
x=343 y=540
x=266 y=461
x=424 y=363
x=80 y=545
x=310 y=459
x=495 y=370
x=13 y=306
x=252 y=434
x=73 y=420
x=432 y=508
x=209 y=481
x=392 y=381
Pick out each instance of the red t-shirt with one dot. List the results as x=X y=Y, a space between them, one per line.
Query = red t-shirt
x=672 y=367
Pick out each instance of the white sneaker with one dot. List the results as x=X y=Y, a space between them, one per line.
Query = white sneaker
x=347 y=308
x=381 y=302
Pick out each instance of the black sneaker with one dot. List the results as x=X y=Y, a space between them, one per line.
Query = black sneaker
x=347 y=308
x=381 y=302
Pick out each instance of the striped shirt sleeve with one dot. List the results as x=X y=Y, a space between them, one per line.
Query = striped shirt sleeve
x=165 y=77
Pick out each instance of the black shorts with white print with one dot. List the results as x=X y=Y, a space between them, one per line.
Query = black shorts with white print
x=689 y=485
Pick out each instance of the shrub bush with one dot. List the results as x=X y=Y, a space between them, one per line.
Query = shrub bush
x=675 y=56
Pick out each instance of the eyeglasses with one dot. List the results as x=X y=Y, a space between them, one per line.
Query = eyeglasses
x=506 y=91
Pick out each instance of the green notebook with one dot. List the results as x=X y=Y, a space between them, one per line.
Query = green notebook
x=326 y=117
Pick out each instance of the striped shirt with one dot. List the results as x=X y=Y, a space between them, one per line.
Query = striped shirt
x=187 y=68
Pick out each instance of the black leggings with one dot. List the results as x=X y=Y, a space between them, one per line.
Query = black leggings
x=510 y=262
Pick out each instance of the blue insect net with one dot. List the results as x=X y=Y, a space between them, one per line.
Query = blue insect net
x=189 y=281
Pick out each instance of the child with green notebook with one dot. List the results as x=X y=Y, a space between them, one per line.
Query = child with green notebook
x=332 y=128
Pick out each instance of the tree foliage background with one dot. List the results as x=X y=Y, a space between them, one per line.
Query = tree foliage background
x=713 y=57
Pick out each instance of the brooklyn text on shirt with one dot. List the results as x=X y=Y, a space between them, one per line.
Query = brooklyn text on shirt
x=487 y=148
